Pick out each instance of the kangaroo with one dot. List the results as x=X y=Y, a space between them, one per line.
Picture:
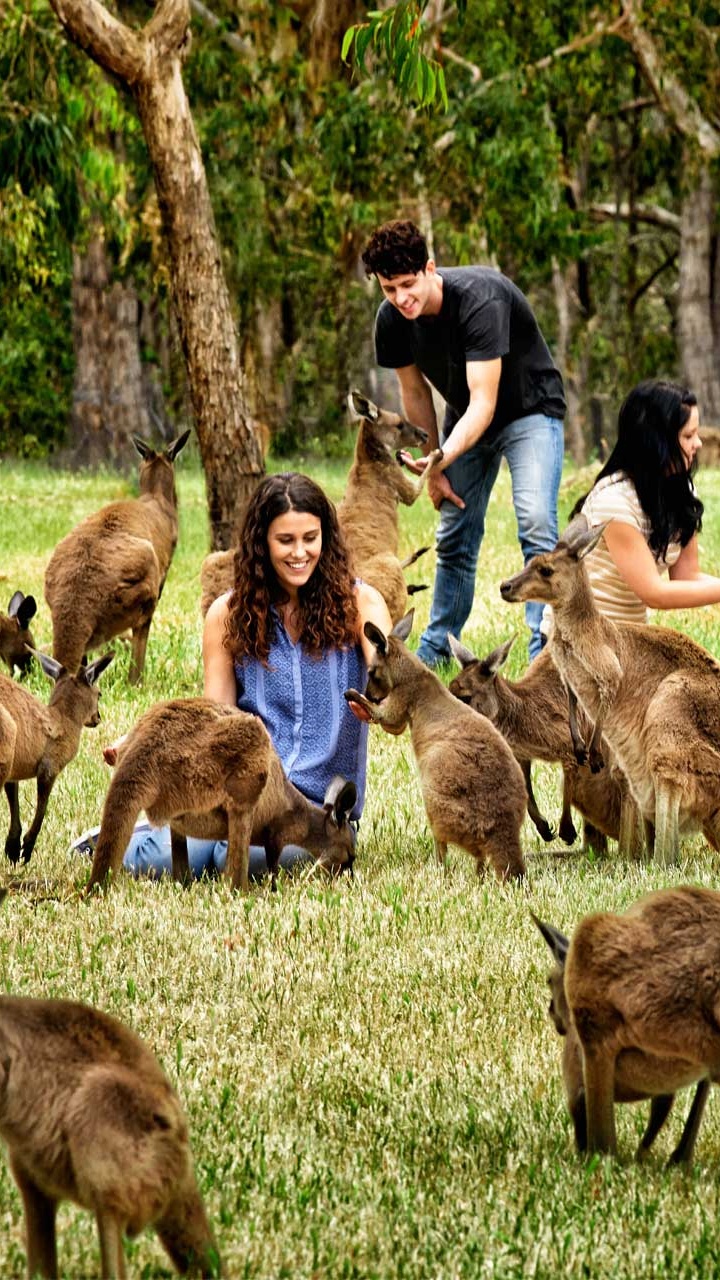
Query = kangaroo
x=472 y=785
x=532 y=714
x=376 y=484
x=37 y=741
x=210 y=770
x=88 y=1115
x=107 y=575
x=16 y=638
x=653 y=692
x=637 y=997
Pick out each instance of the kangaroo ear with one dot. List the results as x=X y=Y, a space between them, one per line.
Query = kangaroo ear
x=340 y=799
x=361 y=407
x=96 y=668
x=175 y=446
x=579 y=539
x=402 y=629
x=142 y=447
x=23 y=608
x=51 y=668
x=495 y=660
x=461 y=655
x=556 y=940
x=376 y=637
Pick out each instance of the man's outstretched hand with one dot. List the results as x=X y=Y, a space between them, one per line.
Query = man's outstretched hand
x=438 y=486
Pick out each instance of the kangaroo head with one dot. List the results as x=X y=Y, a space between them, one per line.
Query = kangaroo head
x=558 y=944
x=338 y=852
x=384 y=432
x=75 y=696
x=391 y=662
x=157 y=475
x=554 y=576
x=475 y=683
x=15 y=635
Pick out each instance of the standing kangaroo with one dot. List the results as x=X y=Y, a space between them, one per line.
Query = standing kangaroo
x=653 y=692
x=37 y=741
x=107 y=575
x=472 y=785
x=87 y=1115
x=638 y=998
x=376 y=484
x=532 y=714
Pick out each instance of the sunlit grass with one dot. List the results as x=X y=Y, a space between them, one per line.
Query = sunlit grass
x=370 y=1075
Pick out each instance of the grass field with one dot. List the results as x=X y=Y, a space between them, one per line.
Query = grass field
x=371 y=1078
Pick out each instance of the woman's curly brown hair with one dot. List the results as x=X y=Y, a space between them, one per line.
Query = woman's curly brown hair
x=330 y=616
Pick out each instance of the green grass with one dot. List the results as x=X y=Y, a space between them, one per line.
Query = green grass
x=372 y=1082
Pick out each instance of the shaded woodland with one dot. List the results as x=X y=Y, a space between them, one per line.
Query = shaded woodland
x=211 y=276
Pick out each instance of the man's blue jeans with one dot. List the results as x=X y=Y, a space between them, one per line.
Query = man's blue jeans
x=533 y=447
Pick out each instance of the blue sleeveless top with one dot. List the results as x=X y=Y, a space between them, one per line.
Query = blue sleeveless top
x=299 y=698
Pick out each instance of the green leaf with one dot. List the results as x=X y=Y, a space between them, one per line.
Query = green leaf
x=347 y=42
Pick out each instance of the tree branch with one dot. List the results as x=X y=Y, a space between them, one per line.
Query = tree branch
x=670 y=93
x=237 y=43
x=598 y=32
x=168 y=28
x=647 y=284
x=654 y=214
x=113 y=45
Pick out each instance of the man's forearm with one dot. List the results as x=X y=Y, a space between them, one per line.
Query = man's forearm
x=419 y=409
x=467 y=431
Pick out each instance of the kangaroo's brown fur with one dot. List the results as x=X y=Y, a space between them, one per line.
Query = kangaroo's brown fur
x=709 y=455
x=532 y=714
x=16 y=638
x=88 y=1115
x=638 y=998
x=652 y=692
x=217 y=575
x=210 y=770
x=106 y=576
x=472 y=785
x=376 y=484
x=37 y=741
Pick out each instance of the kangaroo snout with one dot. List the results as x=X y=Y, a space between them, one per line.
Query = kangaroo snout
x=508 y=590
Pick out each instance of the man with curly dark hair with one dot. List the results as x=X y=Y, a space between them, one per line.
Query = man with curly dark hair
x=470 y=333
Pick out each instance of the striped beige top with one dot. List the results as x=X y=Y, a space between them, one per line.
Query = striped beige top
x=615 y=498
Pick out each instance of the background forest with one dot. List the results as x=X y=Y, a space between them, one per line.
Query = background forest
x=578 y=153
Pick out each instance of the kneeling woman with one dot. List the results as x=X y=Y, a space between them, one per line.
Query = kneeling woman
x=284 y=644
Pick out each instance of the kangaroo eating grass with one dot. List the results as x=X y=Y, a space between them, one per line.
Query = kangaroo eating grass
x=210 y=770
x=472 y=785
x=637 y=997
x=653 y=692
x=88 y=1115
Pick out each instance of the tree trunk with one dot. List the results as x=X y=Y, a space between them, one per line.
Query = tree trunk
x=697 y=336
x=149 y=63
x=109 y=395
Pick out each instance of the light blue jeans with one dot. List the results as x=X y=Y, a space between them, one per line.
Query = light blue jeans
x=533 y=447
x=149 y=854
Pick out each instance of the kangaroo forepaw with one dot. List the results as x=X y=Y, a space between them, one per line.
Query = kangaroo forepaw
x=544 y=830
x=12 y=849
x=597 y=761
x=580 y=754
x=567 y=831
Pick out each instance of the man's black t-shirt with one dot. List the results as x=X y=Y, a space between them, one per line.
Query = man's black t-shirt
x=483 y=316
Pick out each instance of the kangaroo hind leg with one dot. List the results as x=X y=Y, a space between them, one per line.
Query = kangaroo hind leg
x=40 y=1213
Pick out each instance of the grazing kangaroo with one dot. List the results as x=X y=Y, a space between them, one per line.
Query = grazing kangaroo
x=107 y=575
x=376 y=483
x=88 y=1115
x=652 y=692
x=532 y=714
x=15 y=635
x=37 y=741
x=210 y=770
x=637 y=997
x=472 y=785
